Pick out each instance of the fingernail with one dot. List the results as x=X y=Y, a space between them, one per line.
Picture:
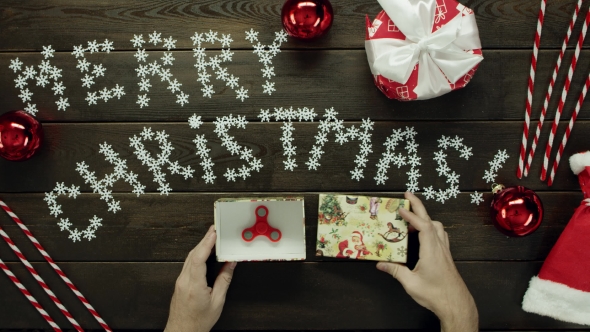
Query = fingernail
x=233 y=265
x=212 y=235
x=402 y=208
x=211 y=228
x=380 y=266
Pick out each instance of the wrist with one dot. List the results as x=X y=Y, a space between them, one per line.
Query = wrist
x=460 y=318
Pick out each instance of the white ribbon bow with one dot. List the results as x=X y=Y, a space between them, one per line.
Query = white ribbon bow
x=438 y=54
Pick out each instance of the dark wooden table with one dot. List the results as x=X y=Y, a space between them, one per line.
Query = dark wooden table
x=128 y=271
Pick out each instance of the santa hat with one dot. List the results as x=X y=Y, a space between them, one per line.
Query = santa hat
x=562 y=288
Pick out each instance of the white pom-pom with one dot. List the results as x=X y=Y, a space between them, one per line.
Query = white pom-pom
x=579 y=161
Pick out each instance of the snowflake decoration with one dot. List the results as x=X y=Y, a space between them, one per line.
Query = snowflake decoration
x=62 y=104
x=214 y=63
x=94 y=71
x=15 y=65
x=476 y=198
x=200 y=141
x=163 y=159
x=443 y=169
x=222 y=126
x=365 y=149
x=266 y=54
x=47 y=73
x=495 y=165
x=103 y=186
x=287 y=115
x=269 y=87
x=324 y=127
x=390 y=158
x=156 y=68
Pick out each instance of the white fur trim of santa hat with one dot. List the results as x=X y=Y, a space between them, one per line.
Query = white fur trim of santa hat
x=549 y=298
x=580 y=161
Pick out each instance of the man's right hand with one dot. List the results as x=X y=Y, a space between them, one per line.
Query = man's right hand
x=435 y=282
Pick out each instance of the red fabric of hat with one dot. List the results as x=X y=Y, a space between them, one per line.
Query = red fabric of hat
x=562 y=288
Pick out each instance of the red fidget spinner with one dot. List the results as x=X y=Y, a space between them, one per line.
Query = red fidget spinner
x=261 y=227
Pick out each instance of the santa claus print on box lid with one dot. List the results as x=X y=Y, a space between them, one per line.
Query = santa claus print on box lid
x=361 y=227
x=421 y=49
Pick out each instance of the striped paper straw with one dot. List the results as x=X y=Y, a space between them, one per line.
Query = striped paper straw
x=550 y=89
x=527 y=116
x=563 y=96
x=568 y=131
x=28 y=295
x=40 y=280
x=57 y=269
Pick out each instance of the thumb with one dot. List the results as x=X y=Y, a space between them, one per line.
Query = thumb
x=222 y=283
x=398 y=271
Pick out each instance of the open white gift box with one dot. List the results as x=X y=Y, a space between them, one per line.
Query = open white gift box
x=260 y=229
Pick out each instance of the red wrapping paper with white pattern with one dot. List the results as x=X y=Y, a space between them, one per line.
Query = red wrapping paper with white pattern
x=421 y=49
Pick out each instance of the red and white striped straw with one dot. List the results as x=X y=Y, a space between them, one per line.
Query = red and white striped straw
x=28 y=295
x=54 y=266
x=40 y=280
x=568 y=131
x=563 y=97
x=527 y=115
x=550 y=89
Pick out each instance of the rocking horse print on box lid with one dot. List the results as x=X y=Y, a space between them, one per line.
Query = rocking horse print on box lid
x=362 y=227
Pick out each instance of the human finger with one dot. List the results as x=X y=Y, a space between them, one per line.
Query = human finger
x=398 y=271
x=440 y=230
x=190 y=257
x=418 y=223
x=202 y=251
x=417 y=205
x=222 y=283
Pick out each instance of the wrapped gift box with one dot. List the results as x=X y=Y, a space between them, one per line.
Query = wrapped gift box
x=234 y=215
x=421 y=49
x=362 y=227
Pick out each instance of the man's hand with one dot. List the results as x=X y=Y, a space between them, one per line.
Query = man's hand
x=196 y=306
x=435 y=282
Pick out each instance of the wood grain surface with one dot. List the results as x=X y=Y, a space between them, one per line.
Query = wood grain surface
x=175 y=224
x=314 y=79
x=275 y=295
x=128 y=271
x=67 y=144
x=62 y=23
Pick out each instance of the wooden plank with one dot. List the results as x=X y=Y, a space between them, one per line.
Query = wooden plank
x=274 y=296
x=67 y=144
x=156 y=228
x=62 y=23
x=315 y=79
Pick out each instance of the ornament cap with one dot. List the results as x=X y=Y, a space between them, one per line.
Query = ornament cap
x=497 y=187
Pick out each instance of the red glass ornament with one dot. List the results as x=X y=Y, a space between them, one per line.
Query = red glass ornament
x=307 y=19
x=516 y=211
x=21 y=135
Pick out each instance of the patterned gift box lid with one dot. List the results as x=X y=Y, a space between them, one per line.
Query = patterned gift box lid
x=362 y=227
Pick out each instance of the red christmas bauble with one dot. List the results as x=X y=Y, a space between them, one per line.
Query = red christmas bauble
x=307 y=19
x=516 y=211
x=21 y=135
